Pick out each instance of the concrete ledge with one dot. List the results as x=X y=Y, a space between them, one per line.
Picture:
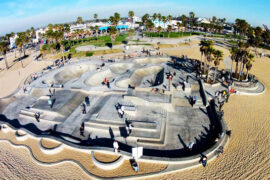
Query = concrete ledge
x=107 y=166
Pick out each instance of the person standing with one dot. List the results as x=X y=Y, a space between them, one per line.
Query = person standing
x=190 y=146
x=50 y=102
x=130 y=127
x=115 y=146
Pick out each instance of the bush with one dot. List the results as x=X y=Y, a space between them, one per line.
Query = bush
x=88 y=53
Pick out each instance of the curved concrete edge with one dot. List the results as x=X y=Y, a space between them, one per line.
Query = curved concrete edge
x=254 y=93
x=22 y=137
x=51 y=151
x=107 y=166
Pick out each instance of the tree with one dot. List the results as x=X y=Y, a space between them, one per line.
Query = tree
x=170 y=18
x=117 y=18
x=154 y=17
x=178 y=24
x=20 y=43
x=169 y=29
x=149 y=25
x=95 y=16
x=3 y=49
x=266 y=37
x=164 y=20
x=113 y=33
x=234 y=53
x=217 y=58
x=131 y=15
x=79 y=20
x=145 y=18
x=249 y=63
x=191 y=16
x=214 y=19
x=184 y=20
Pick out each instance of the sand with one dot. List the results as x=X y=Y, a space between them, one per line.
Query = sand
x=81 y=157
x=49 y=143
x=247 y=155
x=102 y=157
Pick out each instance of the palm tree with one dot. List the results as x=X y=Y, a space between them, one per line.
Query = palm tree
x=170 y=18
x=79 y=20
x=184 y=20
x=131 y=15
x=164 y=20
x=50 y=26
x=178 y=24
x=249 y=63
x=3 y=49
x=214 y=19
x=159 y=29
x=169 y=29
x=209 y=56
x=19 y=43
x=191 y=16
x=149 y=25
x=95 y=16
x=217 y=58
x=154 y=17
x=113 y=33
x=145 y=18
x=159 y=17
x=117 y=18
x=234 y=53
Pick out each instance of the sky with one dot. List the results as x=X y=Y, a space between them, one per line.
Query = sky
x=19 y=15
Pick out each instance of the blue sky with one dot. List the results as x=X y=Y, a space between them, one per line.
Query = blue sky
x=18 y=15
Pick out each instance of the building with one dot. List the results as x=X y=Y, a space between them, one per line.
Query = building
x=12 y=41
x=39 y=34
x=77 y=26
x=202 y=21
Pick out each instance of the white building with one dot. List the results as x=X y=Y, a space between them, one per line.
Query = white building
x=39 y=32
x=77 y=26
x=12 y=41
x=136 y=19
x=203 y=21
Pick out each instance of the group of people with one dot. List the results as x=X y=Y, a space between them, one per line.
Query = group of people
x=106 y=82
x=221 y=97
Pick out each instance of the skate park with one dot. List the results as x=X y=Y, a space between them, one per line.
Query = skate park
x=164 y=119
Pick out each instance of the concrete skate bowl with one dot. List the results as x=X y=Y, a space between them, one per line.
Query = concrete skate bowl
x=98 y=78
x=121 y=68
x=144 y=61
x=144 y=77
x=71 y=73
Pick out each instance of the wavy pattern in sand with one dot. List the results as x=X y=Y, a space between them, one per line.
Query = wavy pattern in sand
x=78 y=156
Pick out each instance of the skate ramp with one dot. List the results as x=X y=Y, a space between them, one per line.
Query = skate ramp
x=121 y=68
x=99 y=77
x=138 y=75
x=71 y=73
x=151 y=60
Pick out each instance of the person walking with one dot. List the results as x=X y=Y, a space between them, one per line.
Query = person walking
x=37 y=116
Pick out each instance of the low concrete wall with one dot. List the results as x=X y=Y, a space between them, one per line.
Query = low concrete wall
x=203 y=94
